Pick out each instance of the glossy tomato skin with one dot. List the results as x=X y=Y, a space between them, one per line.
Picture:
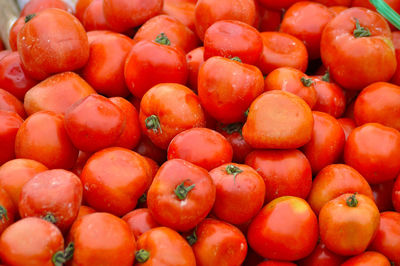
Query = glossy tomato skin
x=330 y=97
x=232 y=38
x=13 y=35
x=340 y=49
x=150 y=63
x=383 y=195
x=345 y=3
x=105 y=67
x=84 y=210
x=13 y=78
x=306 y=21
x=93 y=18
x=140 y=221
x=80 y=8
x=348 y=125
x=219 y=243
x=394 y=4
x=176 y=213
x=367 y=258
x=373 y=149
x=285 y=172
x=378 y=103
x=194 y=59
x=94 y=123
x=114 y=179
x=53 y=192
x=233 y=134
x=387 y=239
x=277 y=5
x=9 y=102
x=35 y=6
x=148 y=149
x=102 y=238
x=327 y=142
x=282 y=50
x=177 y=109
x=348 y=229
x=240 y=192
x=201 y=146
x=278 y=120
x=322 y=256
x=275 y=237
x=270 y=19
x=227 y=88
x=11 y=122
x=51 y=42
x=42 y=241
x=333 y=181
x=57 y=93
x=275 y=263
x=174 y=251
x=396 y=195
x=396 y=44
x=8 y=210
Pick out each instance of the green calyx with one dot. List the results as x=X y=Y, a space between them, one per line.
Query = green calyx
x=192 y=238
x=327 y=76
x=143 y=198
x=237 y=59
x=233 y=170
x=29 y=17
x=163 y=39
x=3 y=214
x=50 y=218
x=152 y=122
x=352 y=201
x=61 y=257
x=181 y=190
x=232 y=128
x=307 y=82
x=360 y=31
x=142 y=255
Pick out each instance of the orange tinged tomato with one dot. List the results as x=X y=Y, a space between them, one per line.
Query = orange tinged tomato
x=367 y=258
x=182 y=10
x=396 y=194
x=9 y=102
x=8 y=210
x=194 y=59
x=93 y=18
x=10 y=123
x=35 y=6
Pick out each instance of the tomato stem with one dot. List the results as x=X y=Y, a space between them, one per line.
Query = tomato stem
x=181 y=190
x=3 y=214
x=192 y=238
x=233 y=170
x=61 y=257
x=29 y=17
x=162 y=39
x=50 y=218
x=360 y=31
x=352 y=201
x=142 y=255
x=143 y=198
x=327 y=76
x=246 y=113
x=237 y=59
x=306 y=82
x=152 y=122
x=232 y=128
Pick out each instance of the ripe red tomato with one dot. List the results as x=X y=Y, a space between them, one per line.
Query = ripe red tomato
x=278 y=5
x=93 y=17
x=13 y=35
x=9 y=102
x=396 y=44
x=270 y=19
x=80 y=8
x=148 y=149
x=8 y=211
x=194 y=60
x=140 y=221
x=367 y=258
x=84 y=210
x=383 y=195
x=395 y=194
x=35 y=6
x=348 y=125
x=182 y=10
x=335 y=2
x=10 y=123
x=322 y=256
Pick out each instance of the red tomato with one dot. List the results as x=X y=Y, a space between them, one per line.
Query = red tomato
x=8 y=210
x=373 y=150
x=105 y=67
x=194 y=59
x=218 y=243
x=396 y=44
x=383 y=195
x=270 y=19
x=84 y=210
x=346 y=3
x=367 y=258
x=35 y=6
x=93 y=18
x=148 y=149
x=348 y=125
x=42 y=243
x=394 y=4
x=80 y=162
x=102 y=239
x=80 y=8
x=57 y=93
x=9 y=102
x=285 y=229
x=333 y=181
x=53 y=195
x=322 y=256
x=52 y=41
x=152 y=62
x=282 y=50
x=114 y=179
x=285 y=173
x=140 y=221
x=181 y=195
x=227 y=87
x=240 y=192
x=182 y=10
x=201 y=146
x=335 y=10
x=94 y=123
x=10 y=123
x=13 y=35
x=358 y=39
x=278 y=5
x=275 y=263
x=395 y=194
x=173 y=251
x=168 y=109
x=342 y=223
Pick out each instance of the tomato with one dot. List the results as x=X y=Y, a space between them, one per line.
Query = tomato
x=201 y=146
x=333 y=181
x=57 y=93
x=395 y=194
x=387 y=239
x=105 y=67
x=354 y=45
x=15 y=173
x=9 y=102
x=294 y=81
x=140 y=221
x=178 y=34
x=181 y=195
x=383 y=195
x=194 y=59
x=52 y=41
x=80 y=8
x=84 y=210
x=285 y=172
x=278 y=120
x=53 y=195
x=282 y=50
x=373 y=150
x=335 y=10
x=130 y=135
x=378 y=103
x=114 y=179
x=43 y=242
x=122 y=15
x=306 y=21
x=173 y=251
x=168 y=109
x=4 y=53
x=147 y=148
x=394 y=4
x=322 y=256
x=342 y=223
x=233 y=134
x=13 y=78
x=275 y=263
x=13 y=35
x=367 y=258
x=152 y=62
x=277 y=5
x=348 y=125
x=209 y=11
x=219 y=243
x=240 y=192
x=396 y=44
x=80 y=162
x=233 y=38
x=270 y=19
x=182 y=10
x=102 y=239
x=94 y=123
x=327 y=142
x=35 y=6
x=8 y=210
x=10 y=123
x=285 y=229
x=227 y=88
x=93 y=18
x=345 y=3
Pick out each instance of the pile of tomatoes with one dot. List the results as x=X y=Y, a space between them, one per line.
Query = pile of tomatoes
x=184 y=132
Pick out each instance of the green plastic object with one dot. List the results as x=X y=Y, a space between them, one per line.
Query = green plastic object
x=387 y=12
